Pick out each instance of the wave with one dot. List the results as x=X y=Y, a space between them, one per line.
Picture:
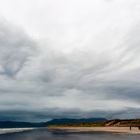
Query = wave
x=13 y=130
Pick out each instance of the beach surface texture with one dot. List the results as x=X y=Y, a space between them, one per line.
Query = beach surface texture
x=132 y=130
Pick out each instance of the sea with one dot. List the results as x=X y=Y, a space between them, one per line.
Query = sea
x=45 y=134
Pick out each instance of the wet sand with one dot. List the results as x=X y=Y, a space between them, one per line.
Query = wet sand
x=45 y=134
x=134 y=130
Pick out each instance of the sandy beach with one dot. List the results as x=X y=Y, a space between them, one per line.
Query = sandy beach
x=134 y=130
x=45 y=134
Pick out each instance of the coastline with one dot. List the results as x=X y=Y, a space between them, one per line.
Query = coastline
x=134 y=130
x=14 y=130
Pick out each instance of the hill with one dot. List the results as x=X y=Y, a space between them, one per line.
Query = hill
x=122 y=123
x=94 y=123
x=68 y=121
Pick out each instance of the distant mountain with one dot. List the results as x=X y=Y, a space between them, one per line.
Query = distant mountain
x=12 y=124
x=64 y=121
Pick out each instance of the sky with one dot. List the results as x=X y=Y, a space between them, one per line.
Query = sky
x=69 y=58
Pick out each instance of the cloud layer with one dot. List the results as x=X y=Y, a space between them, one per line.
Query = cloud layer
x=86 y=63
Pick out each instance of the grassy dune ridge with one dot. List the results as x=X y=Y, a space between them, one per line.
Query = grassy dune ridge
x=109 y=123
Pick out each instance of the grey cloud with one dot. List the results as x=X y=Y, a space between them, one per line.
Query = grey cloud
x=40 y=81
x=52 y=76
x=47 y=114
x=16 y=48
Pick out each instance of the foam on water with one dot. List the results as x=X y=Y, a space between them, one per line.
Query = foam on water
x=13 y=130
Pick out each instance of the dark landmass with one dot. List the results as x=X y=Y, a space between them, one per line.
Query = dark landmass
x=68 y=121
x=12 y=124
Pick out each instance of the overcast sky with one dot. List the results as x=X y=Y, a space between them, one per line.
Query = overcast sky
x=69 y=58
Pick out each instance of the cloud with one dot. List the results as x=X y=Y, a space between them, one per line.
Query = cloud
x=88 y=65
x=16 y=48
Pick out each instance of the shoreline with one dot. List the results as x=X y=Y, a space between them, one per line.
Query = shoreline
x=134 y=130
x=14 y=130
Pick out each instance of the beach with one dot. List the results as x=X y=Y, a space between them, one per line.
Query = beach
x=134 y=130
x=45 y=134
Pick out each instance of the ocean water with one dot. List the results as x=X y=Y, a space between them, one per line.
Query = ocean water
x=44 y=134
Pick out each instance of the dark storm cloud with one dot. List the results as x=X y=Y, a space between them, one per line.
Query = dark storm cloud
x=47 y=114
